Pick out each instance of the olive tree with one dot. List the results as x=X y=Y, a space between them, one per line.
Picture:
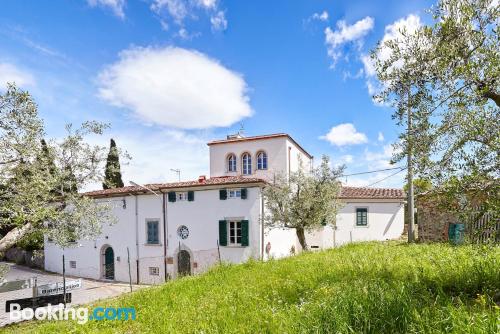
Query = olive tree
x=40 y=180
x=304 y=201
x=447 y=74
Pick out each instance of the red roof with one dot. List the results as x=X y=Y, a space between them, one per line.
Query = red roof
x=371 y=193
x=274 y=135
x=222 y=180
x=346 y=192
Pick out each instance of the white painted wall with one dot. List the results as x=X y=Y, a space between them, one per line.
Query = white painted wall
x=277 y=150
x=281 y=241
x=385 y=221
x=201 y=217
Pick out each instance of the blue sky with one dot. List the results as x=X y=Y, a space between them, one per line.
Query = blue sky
x=169 y=75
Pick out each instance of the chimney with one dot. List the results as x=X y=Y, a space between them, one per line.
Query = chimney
x=202 y=178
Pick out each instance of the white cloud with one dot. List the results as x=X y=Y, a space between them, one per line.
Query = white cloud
x=180 y=10
x=10 y=73
x=219 y=21
x=176 y=8
x=175 y=87
x=346 y=34
x=380 y=136
x=344 y=134
x=347 y=159
x=209 y=4
x=392 y=32
x=323 y=16
x=117 y=6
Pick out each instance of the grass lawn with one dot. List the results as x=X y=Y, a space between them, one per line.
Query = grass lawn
x=367 y=287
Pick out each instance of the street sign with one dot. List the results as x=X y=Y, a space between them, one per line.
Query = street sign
x=56 y=288
x=15 y=285
x=35 y=302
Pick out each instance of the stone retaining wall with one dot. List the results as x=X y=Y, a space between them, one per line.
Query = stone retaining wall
x=34 y=259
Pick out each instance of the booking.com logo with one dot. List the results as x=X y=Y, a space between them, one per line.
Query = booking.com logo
x=80 y=314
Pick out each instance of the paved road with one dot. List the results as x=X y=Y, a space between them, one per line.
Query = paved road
x=91 y=291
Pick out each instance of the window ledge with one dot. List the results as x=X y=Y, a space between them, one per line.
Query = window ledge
x=146 y=244
x=361 y=226
x=235 y=246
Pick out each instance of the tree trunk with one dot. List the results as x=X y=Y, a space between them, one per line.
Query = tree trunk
x=14 y=235
x=302 y=237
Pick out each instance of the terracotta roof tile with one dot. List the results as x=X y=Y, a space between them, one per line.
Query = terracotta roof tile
x=346 y=192
x=371 y=193
x=223 y=180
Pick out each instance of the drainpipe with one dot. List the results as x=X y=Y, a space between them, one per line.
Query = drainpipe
x=262 y=224
x=137 y=235
x=165 y=240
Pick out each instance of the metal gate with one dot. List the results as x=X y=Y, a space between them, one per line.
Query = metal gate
x=184 y=263
x=109 y=263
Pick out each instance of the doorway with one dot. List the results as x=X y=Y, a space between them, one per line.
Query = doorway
x=109 y=263
x=183 y=263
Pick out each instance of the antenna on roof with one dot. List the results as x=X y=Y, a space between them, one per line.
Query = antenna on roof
x=241 y=130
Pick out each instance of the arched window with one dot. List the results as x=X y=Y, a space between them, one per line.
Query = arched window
x=246 y=161
x=262 y=160
x=231 y=163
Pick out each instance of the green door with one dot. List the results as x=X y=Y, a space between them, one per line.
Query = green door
x=456 y=233
x=109 y=263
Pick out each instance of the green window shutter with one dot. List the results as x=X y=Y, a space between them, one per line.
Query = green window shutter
x=223 y=194
x=190 y=196
x=171 y=196
x=244 y=233
x=243 y=193
x=222 y=233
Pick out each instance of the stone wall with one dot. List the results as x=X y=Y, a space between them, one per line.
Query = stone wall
x=34 y=259
x=433 y=220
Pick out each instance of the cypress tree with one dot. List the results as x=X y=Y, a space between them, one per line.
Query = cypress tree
x=112 y=174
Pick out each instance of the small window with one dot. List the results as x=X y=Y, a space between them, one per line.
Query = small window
x=182 y=196
x=246 y=161
x=234 y=193
x=231 y=163
x=154 y=271
x=361 y=216
x=262 y=160
x=235 y=233
x=72 y=264
x=153 y=233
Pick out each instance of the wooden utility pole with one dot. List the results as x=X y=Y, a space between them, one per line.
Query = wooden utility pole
x=129 y=273
x=411 y=205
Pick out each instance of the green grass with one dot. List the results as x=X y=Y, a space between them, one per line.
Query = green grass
x=369 y=288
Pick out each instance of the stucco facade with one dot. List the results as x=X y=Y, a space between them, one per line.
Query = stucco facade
x=187 y=227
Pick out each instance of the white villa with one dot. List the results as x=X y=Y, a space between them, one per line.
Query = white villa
x=182 y=228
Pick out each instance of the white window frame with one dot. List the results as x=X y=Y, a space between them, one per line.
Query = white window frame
x=246 y=168
x=234 y=222
x=261 y=163
x=234 y=193
x=181 y=196
x=153 y=220
x=231 y=161
x=356 y=216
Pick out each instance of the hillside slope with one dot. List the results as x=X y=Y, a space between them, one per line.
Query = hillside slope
x=369 y=287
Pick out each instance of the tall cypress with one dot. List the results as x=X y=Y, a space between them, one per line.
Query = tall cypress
x=112 y=174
